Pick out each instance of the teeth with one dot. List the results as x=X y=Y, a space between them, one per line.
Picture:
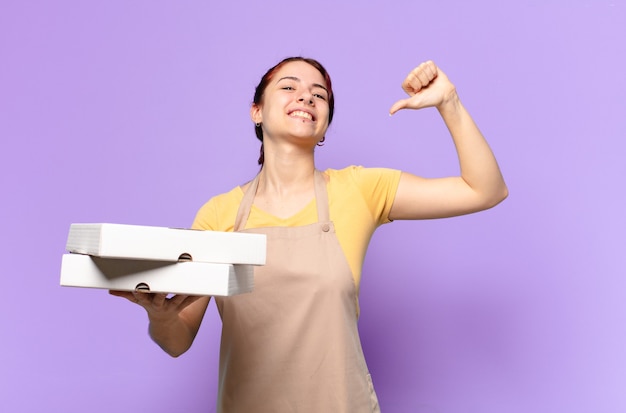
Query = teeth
x=301 y=114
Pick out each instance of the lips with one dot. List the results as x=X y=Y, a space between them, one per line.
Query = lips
x=302 y=114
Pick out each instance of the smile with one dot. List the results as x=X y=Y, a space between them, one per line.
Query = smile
x=301 y=114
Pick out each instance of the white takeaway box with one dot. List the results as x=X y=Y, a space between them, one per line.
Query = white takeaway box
x=187 y=277
x=166 y=244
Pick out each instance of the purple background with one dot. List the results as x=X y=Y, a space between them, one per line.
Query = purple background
x=137 y=112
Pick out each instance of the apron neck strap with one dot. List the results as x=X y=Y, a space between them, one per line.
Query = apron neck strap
x=321 y=200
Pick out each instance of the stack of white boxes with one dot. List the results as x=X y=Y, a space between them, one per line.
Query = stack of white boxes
x=164 y=260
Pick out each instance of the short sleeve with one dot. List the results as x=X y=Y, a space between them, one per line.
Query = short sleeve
x=206 y=217
x=378 y=188
x=219 y=213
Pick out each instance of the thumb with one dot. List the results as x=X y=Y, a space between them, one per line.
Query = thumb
x=401 y=104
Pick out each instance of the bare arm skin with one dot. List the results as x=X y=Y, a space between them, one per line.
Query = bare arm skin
x=480 y=185
x=174 y=322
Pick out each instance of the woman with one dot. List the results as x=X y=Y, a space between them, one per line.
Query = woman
x=292 y=344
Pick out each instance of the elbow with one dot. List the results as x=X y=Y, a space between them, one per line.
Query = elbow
x=498 y=196
x=174 y=352
x=489 y=199
x=505 y=193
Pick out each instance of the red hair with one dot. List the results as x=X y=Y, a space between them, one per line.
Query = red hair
x=267 y=78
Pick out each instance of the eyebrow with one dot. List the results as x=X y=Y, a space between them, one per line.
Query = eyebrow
x=298 y=80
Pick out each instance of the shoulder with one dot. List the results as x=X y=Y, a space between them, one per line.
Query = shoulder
x=362 y=176
x=217 y=212
x=373 y=188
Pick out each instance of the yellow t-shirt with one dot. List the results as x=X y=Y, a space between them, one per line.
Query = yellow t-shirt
x=359 y=201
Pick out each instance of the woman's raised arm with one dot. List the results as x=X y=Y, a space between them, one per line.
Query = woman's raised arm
x=480 y=185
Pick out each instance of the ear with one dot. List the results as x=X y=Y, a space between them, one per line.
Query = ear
x=255 y=113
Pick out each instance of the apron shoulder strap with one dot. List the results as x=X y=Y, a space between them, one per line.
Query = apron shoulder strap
x=321 y=198
x=246 y=204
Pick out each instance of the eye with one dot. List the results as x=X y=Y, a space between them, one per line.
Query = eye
x=317 y=95
x=288 y=88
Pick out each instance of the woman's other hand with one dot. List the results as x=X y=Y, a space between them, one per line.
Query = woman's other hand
x=427 y=86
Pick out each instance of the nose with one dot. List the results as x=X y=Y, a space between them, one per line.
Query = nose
x=306 y=97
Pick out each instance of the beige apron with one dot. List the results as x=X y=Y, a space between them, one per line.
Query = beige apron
x=292 y=345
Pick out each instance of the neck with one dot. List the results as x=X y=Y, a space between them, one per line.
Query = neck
x=286 y=172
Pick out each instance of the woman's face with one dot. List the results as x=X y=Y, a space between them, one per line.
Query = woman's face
x=294 y=104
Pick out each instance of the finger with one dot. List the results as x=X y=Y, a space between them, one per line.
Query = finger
x=423 y=76
x=124 y=294
x=189 y=300
x=431 y=69
x=412 y=84
x=142 y=298
x=427 y=73
x=401 y=104
x=420 y=77
x=182 y=301
x=159 y=299
x=179 y=299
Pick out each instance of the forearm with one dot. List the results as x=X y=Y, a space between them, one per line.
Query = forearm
x=479 y=168
x=174 y=332
x=480 y=185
